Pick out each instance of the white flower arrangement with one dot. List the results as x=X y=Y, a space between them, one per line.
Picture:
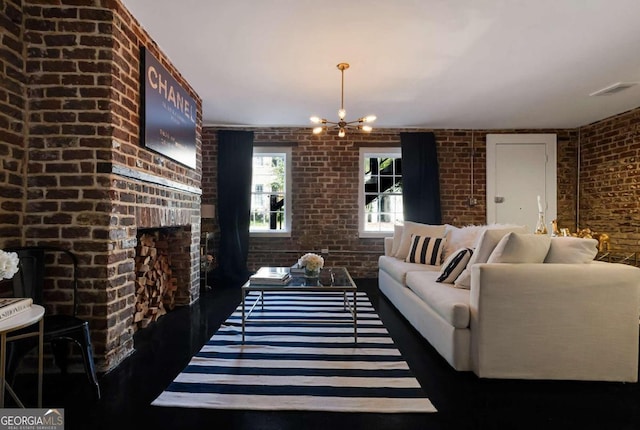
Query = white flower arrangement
x=8 y=264
x=311 y=261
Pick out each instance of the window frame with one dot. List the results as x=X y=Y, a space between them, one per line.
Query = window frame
x=276 y=151
x=368 y=152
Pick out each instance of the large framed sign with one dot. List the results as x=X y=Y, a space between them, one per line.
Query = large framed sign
x=168 y=113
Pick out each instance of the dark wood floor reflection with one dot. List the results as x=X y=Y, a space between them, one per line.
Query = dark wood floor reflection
x=463 y=401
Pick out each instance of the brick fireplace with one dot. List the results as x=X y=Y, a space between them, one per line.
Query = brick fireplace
x=140 y=204
x=74 y=173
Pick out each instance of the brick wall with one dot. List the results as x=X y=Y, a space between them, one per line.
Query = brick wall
x=12 y=118
x=325 y=190
x=90 y=183
x=610 y=179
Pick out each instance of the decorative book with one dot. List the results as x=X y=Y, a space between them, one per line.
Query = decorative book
x=271 y=276
x=13 y=305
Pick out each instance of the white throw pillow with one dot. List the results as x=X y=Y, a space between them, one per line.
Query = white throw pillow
x=397 y=237
x=486 y=244
x=425 y=250
x=454 y=265
x=459 y=238
x=414 y=228
x=571 y=250
x=521 y=248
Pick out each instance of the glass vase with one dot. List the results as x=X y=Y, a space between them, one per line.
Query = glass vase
x=541 y=226
x=311 y=273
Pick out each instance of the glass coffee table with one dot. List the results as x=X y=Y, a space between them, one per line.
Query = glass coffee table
x=335 y=279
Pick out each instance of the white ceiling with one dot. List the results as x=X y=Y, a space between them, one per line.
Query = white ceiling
x=414 y=63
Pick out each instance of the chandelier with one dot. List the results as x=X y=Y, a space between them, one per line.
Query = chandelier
x=342 y=125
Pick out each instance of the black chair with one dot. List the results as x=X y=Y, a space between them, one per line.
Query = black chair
x=59 y=329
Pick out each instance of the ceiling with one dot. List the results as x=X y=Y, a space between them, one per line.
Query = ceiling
x=414 y=63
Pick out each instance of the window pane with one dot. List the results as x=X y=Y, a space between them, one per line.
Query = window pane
x=382 y=191
x=268 y=195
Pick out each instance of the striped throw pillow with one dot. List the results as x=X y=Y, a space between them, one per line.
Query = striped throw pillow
x=455 y=264
x=425 y=250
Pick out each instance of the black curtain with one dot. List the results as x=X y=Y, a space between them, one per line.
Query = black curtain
x=420 y=178
x=235 y=160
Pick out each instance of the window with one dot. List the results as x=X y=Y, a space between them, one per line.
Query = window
x=380 y=191
x=270 y=195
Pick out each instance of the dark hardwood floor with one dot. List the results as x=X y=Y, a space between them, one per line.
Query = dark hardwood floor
x=463 y=400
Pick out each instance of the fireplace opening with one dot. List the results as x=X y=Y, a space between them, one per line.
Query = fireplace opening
x=163 y=272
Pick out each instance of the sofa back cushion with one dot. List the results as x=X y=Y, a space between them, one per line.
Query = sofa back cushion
x=571 y=250
x=425 y=250
x=468 y=236
x=397 y=237
x=521 y=248
x=413 y=228
x=486 y=244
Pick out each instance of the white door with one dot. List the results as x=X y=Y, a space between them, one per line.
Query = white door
x=521 y=167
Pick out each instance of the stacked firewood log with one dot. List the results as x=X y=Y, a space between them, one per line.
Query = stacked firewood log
x=155 y=285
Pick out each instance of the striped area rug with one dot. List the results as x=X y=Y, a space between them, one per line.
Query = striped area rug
x=299 y=365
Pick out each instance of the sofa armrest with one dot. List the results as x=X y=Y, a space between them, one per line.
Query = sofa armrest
x=388 y=246
x=555 y=321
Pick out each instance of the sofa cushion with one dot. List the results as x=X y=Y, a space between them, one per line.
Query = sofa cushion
x=521 y=248
x=418 y=229
x=425 y=250
x=571 y=250
x=452 y=304
x=468 y=236
x=398 y=269
x=397 y=237
x=486 y=244
x=460 y=238
x=454 y=266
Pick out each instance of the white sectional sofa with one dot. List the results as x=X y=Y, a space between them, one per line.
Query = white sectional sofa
x=533 y=307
